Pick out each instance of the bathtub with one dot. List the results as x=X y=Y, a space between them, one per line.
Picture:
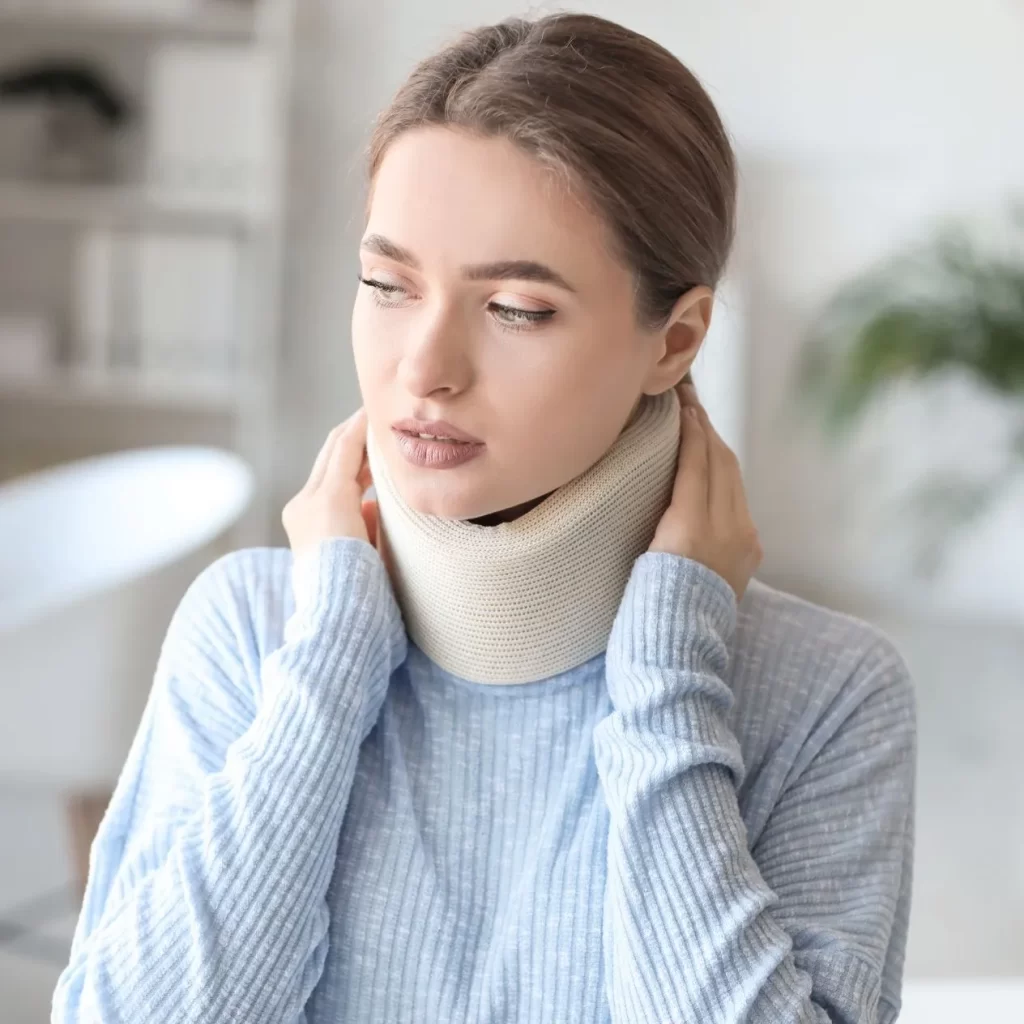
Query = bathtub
x=94 y=556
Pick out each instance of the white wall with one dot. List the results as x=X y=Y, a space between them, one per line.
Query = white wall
x=855 y=124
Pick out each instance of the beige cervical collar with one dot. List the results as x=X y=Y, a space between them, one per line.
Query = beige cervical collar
x=525 y=600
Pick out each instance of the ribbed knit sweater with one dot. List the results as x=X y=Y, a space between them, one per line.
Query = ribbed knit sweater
x=710 y=821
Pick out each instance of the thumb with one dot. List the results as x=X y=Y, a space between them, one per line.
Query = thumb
x=371 y=517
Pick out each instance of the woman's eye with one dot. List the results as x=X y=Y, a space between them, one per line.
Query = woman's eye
x=516 y=319
x=511 y=318
x=381 y=289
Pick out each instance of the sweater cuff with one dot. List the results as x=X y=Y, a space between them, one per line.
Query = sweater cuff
x=675 y=613
x=667 y=664
x=339 y=574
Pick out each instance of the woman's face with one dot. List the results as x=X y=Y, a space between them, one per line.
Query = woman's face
x=496 y=304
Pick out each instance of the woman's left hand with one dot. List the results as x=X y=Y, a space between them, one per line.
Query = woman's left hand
x=708 y=519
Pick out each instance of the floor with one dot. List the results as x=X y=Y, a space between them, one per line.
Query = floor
x=968 y=912
x=38 y=910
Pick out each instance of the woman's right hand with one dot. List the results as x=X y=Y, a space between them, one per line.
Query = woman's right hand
x=330 y=504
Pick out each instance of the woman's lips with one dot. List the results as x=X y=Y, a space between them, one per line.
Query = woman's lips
x=435 y=454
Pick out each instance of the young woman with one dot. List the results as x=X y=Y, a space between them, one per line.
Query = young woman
x=521 y=739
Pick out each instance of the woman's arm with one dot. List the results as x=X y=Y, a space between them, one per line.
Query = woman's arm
x=811 y=925
x=208 y=875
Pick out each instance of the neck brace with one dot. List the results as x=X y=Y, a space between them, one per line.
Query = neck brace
x=525 y=600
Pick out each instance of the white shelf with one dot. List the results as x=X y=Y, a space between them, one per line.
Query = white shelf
x=118 y=205
x=128 y=387
x=224 y=22
x=237 y=411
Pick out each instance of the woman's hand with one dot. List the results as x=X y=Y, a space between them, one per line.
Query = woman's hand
x=708 y=519
x=330 y=504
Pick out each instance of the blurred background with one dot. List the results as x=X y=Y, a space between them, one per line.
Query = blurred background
x=181 y=189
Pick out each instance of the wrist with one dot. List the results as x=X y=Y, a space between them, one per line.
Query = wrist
x=341 y=583
x=676 y=616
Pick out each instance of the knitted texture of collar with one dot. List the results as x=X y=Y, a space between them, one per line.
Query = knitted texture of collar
x=525 y=600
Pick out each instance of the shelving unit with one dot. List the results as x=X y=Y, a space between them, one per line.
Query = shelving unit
x=237 y=403
x=118 y=386
x=130 y=206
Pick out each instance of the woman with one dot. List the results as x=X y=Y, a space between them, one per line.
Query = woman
x=521 y=740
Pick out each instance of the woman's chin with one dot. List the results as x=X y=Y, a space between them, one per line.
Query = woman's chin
x=443 y=499
x=446 y=501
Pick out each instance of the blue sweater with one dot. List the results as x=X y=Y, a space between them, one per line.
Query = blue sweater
x=712 y=821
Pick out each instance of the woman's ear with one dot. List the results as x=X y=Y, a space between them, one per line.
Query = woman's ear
x=681 y=339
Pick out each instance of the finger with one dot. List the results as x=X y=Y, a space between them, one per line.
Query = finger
x=748 y=526
x=690 y=492
x=687 y=394
x=323 y=458
x=688 y=399
x=347 y=455
x=737 y=488
x=728 y=489
x=316 y=474
x=724 y=484
x=371 y=517
x=365 y=476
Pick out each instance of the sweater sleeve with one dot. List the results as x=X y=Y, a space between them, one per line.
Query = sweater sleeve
x=206 y=895
x=810 y=925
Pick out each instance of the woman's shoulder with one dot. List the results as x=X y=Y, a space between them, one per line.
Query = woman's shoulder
x=248 y=596
x=208 y=674
x=801 y=660
x=259 y=579
x=244 y=595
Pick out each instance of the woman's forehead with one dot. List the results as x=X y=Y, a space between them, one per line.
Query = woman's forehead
x=451 y=199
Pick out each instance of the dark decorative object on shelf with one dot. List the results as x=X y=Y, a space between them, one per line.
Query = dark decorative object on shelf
x=84 y=112
x=944 y=305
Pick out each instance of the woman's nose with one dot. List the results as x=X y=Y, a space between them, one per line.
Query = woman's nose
x=437 y=357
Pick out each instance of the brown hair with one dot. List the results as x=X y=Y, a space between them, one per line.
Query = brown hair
x=604 y=106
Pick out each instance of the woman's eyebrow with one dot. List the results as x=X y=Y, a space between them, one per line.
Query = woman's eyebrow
x=389 y=250
x=521 y=270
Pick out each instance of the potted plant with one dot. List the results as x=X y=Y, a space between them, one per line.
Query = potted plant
x=947 y=303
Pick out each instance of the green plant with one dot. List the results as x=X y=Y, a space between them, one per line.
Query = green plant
x=946 y=303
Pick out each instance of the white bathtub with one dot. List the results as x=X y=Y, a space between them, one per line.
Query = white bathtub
x=94 y=556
